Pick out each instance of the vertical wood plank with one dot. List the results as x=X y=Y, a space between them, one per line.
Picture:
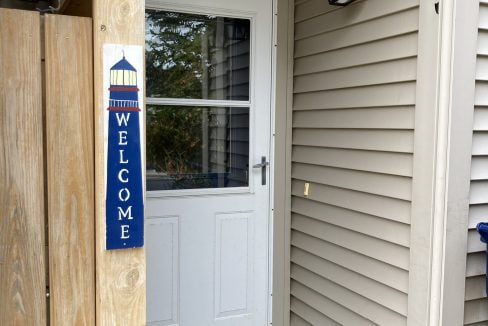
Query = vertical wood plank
x=70 y=169
x=121 y=293
x=22 y=266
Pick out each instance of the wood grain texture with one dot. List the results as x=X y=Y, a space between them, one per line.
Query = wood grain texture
x=70 y=169
x=22 y=266
x=121 y=293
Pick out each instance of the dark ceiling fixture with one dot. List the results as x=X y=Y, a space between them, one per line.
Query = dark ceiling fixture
x=340 y=2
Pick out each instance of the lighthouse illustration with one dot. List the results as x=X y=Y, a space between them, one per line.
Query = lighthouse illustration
x=124 y=186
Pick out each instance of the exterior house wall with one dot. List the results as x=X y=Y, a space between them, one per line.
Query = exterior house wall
x=476 y=305
x=353 y=142
x=353 y=138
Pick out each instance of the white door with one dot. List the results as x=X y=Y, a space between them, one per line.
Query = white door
x=208 y=73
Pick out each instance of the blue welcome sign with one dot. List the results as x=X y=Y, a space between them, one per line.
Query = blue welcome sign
x=124 y=193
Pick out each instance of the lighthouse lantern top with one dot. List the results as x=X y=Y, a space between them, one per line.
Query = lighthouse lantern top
x=123 y=74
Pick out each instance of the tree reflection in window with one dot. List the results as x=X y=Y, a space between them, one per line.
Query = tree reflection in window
x=197 y=56
x=191 y=147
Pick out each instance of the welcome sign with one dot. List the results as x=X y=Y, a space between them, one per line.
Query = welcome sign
x=124 y=192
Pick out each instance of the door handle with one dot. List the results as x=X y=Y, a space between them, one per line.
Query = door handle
x=262 y=166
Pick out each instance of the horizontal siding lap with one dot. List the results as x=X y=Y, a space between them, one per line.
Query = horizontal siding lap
x=475 y=288
x=333 y=310
x=361 y=306
x=483 y=15
x=481 y=93
x=482 y=42
x=399 y=94
x=383 y=229
x=474 y=243
x=480 y=143
x=388 y=208
x=374 y=183
x=403 y=46
x=349 y=281
x=476 y=305
x=479 y=169
x=397 y=117
x=296 y=320
x=372 y=161
x=381 y=272
x=477 y=214
x=376 y=140
x=483 y=323
x=480 y=119
x=395 y=71
x=478 y=193
x=482 y=68
x=355 y=71
x=363 y=11
x=389 y=253
x=311 y=8
x=476 y=264
x=307 y=315
x=476 y=311
x=378 y=29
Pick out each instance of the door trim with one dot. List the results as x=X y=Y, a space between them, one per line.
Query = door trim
x=281 y=120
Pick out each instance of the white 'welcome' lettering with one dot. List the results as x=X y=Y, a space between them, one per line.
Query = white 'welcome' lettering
x=122 y=118
x=127 y=214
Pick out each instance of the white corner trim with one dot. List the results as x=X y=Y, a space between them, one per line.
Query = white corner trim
x=442 y=161
x=458 y=45
x=423 y=183
x=452 y=161
x=441 y=158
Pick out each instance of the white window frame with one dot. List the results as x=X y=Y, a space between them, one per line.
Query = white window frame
x=197 y=10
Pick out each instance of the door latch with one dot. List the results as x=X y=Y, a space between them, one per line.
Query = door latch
x=262 y=166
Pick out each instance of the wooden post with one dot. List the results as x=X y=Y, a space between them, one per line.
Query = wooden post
x=70 y=169
x=22 y=246
x=121 y=295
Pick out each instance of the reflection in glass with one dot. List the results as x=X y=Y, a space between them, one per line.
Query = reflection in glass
x=197 y=56
x=197 y=147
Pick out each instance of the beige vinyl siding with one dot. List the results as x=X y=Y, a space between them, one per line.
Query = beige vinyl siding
x=353 y=129
x=476 y=305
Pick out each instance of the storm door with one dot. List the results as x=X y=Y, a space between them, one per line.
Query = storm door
x=208 y=81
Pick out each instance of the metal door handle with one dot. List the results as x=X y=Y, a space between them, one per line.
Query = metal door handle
x=262 y=166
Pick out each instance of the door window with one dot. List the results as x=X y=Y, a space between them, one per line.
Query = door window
x=198 y=101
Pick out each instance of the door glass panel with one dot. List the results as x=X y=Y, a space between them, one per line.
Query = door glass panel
x=197 y=56
x=190 y=147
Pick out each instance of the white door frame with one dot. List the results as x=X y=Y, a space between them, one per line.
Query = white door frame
x=279 y=306
x=282 y=97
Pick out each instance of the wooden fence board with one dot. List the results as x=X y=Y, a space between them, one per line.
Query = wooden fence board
x=121 y=295
x=22 y=266
x=70 y=169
